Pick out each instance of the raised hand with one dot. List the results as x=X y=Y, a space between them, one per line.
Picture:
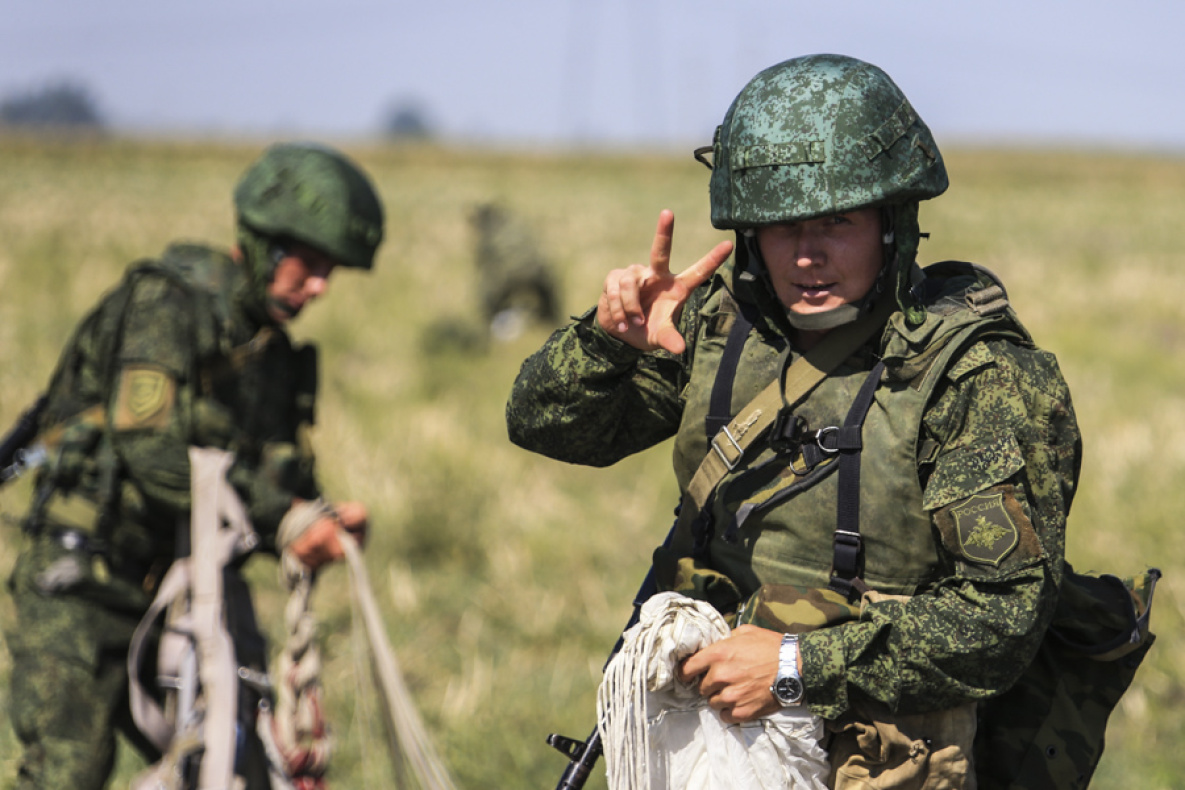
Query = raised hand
x=639 y=305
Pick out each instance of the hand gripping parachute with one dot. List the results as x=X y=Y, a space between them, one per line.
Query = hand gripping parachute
x=660 y=734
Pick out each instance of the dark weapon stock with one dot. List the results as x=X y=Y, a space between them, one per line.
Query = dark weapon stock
x=583 y=755
x=17 y=439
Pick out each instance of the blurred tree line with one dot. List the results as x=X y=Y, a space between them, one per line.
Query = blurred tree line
x=63 y=104
x=69 y=104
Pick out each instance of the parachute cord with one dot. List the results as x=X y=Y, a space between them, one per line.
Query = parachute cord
x=298 y=728
x=412 y=752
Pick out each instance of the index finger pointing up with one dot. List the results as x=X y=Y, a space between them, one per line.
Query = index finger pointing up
x=660 y=250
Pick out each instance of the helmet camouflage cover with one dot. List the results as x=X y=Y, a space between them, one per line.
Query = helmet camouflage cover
x=315 y=195
x=818 y=135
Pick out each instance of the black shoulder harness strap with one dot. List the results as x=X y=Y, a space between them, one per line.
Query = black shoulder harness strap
x=845 y=569
x=720 y=405
x=845 y=440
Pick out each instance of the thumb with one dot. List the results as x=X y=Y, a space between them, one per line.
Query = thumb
x=667 y=337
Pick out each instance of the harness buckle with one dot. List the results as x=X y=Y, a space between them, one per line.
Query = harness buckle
x=723 y=449
x=786 y=438
x=847 y=538
x=823 y=434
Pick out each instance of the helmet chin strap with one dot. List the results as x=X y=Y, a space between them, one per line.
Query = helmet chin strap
x=261 y=256
x=276 y=252
x=845 y=313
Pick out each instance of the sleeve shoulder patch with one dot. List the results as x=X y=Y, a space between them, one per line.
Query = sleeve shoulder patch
x=989 y=530
x=145 y=399
x=985 y=531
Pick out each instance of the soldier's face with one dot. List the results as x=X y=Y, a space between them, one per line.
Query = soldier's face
x=301 y=276
x=823 y=263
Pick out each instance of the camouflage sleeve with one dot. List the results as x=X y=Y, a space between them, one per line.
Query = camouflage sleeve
x=152 y=394
x=999 y=461
x=156 y=413
x=587 y=398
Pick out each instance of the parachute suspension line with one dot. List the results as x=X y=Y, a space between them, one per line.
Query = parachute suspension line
x=411 y=748
x=365 y=713
x=298 y=727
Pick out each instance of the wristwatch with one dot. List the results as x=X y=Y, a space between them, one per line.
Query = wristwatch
x=787 y=688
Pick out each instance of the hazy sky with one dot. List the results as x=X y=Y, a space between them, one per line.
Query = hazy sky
x=615 y=71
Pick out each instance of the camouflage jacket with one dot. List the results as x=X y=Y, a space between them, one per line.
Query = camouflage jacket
x=173 y=357
x=996 y=431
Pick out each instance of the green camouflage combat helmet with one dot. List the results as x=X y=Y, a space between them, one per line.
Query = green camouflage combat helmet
x=819 y=135
x=314 y=195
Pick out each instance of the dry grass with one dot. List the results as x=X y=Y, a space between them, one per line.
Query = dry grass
x=506 y=576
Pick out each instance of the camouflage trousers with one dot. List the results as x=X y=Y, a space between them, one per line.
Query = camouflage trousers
x=69 y=677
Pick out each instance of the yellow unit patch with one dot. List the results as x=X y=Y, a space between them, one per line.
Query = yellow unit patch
x=145 y=398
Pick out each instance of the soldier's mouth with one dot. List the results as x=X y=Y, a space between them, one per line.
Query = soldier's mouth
x=813 y=290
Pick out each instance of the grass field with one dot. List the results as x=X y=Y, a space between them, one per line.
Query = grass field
x=504 y=576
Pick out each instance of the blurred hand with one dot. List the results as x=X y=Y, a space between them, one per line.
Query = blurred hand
x=640 y=305
x=737 y=672
x=320 y=544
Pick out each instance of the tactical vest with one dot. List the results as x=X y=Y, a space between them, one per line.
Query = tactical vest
x=239 y=388
x=773 y=518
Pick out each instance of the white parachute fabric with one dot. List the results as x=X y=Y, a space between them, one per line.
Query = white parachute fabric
x=660 y=734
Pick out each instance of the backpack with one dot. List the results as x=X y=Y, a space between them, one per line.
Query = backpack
x=1048 y=730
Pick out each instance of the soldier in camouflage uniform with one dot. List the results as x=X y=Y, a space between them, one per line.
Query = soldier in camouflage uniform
x=514 y=277
x=188 y=350
x=937 y=570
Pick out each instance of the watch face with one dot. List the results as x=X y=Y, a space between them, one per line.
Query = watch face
x=788 y=690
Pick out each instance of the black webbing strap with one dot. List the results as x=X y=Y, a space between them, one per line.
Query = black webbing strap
x=720 y=404
x=848 y=443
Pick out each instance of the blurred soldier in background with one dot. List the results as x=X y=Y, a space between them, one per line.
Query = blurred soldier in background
x=189 y=349
x=516 y=280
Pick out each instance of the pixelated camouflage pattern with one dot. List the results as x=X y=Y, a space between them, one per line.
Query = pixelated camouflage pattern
x=182 y=318
x=817 y=135
x=999 y=419
x=66 y=645
x=316 y=195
